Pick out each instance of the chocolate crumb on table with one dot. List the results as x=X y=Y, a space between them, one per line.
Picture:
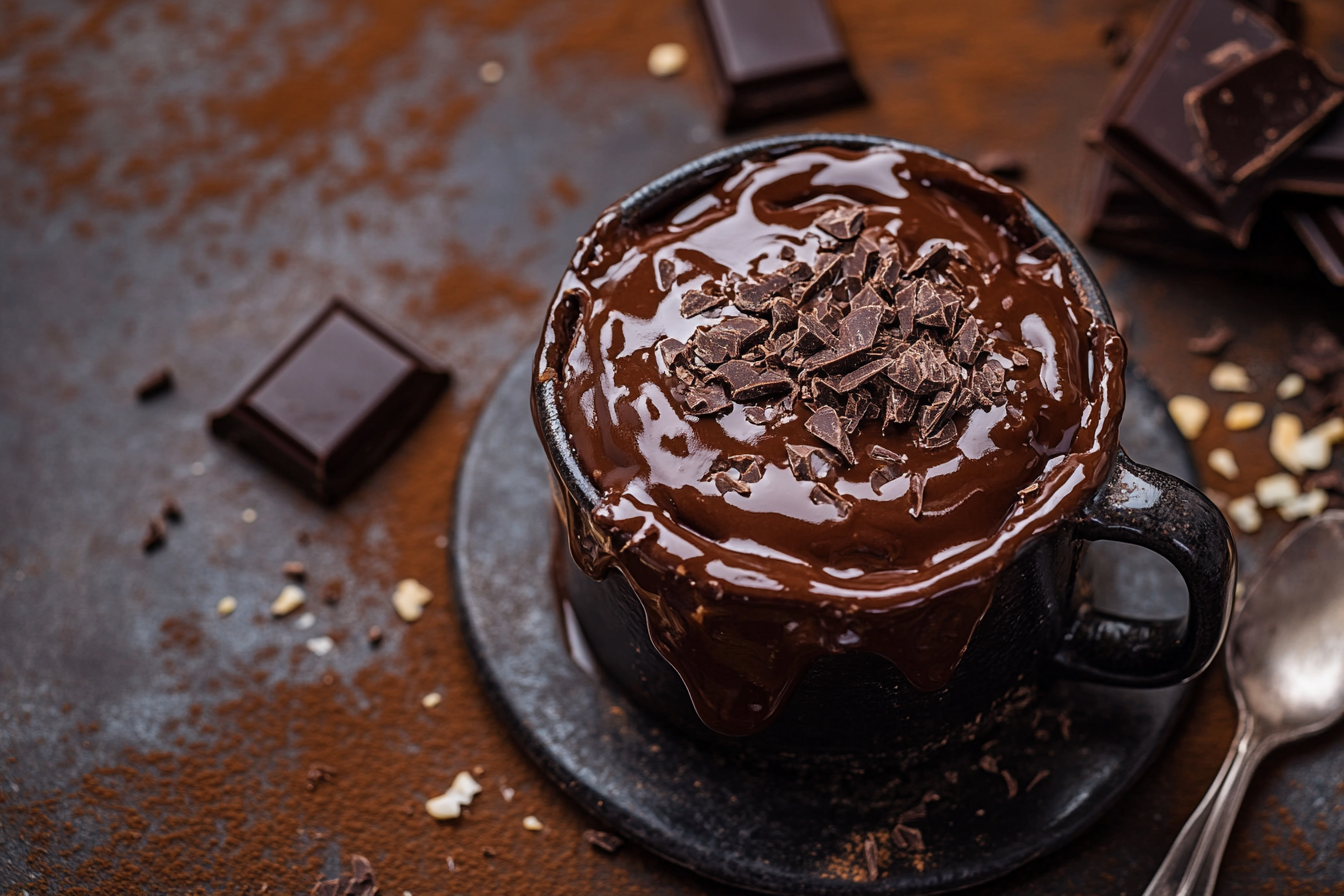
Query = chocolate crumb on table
x=606 y=842
x=359 y=881
x=1212 y=342
x=156 y=536
x=158 y=382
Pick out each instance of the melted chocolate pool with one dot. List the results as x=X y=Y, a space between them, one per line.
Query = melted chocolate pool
x=899 y=554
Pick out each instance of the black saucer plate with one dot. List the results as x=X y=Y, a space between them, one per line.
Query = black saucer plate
x=798 y=830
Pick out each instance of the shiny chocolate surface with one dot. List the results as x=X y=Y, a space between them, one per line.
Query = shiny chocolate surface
x=744 y=590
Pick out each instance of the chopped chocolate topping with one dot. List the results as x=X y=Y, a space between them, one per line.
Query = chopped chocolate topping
x=728 y=339
x=916 y=495
x=705 y=400
x=825 y=494
x=726 y=482
x=696 y=302
x=842 y=223
x=809 y=463
x=870 y=856
x=602 y=840
x=825 y=424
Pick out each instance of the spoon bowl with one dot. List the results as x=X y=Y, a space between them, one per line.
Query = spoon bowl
x=1286 y=651
x=1285 y=661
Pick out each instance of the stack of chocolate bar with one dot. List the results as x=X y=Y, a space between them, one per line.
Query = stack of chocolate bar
x=1223 y=144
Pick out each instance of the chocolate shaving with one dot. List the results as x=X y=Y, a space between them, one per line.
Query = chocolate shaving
x=156 y=536
x=1040 y=776
x=608 y=843
x=870 y=856
x=804 y=462
x=158 y=382
x=989 y=763
x=824 y=494
x=1019 y=359
x=1010 y=781
x=916 y=494
x=907 y=837
x=359 y=882
x=881 y=476
x=1212 y=342
x=825 y=424
x=319 y=774
x=696 y=302
x=842 y=223
x=725 y=482
x=706 y=400
x=920 y=811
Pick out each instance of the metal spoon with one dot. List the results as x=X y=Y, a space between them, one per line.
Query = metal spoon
x=1285 y=659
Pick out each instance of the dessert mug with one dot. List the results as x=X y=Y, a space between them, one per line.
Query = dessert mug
x=732 y=661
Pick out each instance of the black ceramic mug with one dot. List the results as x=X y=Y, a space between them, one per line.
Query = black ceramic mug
x=860 y=703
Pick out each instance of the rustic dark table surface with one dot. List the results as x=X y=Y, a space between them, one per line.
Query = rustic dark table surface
x=184 y=183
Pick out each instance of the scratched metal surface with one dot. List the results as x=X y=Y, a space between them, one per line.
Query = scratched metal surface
x=185 y=182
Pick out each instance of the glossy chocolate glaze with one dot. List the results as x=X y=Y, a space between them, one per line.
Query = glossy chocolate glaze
x=742 y=592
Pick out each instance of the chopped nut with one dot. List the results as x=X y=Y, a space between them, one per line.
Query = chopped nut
x=410 y=598
x=1244 y=415
x=1290 y=386
x=431 y=700
x=1276 y=490
x=491 y=73
x=1304 y=505
x=1284 y=434
x=532 y=823
x=290 y=599
x=226 y=605
x=321 y=645
x=1313 y=449
x=1190 y=414
x=666 y=60
x=305 y=622
x=1229 y=377
x=1245 y=513
x=1224 y=463
x=249 y=515
x=450 y=803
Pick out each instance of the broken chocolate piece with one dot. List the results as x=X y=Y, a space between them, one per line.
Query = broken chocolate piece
x=1212 y=342
x=358 y=882
x=777 y=58
x=335 y=401
x=809 y=463
x=706 y=400
x=726 y=482
x=966 y=344
x=319 y=774
x=1321 y=229
x=825 y=494
x=937 y=308
x=1253 y=113
x=857 y=377
x=881 y=476
x=728 y=339
x=916 y=494
x=158 y=382
x=696 y=302
x=608 y=843
x=671 y=351
x=825 y=424
x=843 y=223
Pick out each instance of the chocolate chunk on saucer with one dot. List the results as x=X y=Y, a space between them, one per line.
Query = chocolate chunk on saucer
x=777 y=58
x=334 y=401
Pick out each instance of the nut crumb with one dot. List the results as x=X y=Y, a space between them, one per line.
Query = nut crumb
x=1290 y=386
x=431 y=700
x=1224 y=463
x=1245 y=512
x=290 y=599
x=491 y=72
x=226 y=605
x=1190 y=414
x=1305 y=505
x=1243 y=415
x=1276 y=490
x=410 y=598
x=321 y=645
x=1229 y=377
x=532 y=823
x=667 y=59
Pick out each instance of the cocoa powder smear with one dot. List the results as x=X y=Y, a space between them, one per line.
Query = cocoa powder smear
x=824 y=405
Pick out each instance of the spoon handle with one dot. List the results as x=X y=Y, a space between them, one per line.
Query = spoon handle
x=1202 y=873
x=1191 y=865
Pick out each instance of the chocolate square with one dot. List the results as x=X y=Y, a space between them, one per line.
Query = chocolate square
x=334 y=402
x=1255 y=112
x=1144 y=128
x=777 y=58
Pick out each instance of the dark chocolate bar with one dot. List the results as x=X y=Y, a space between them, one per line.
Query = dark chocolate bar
x=1321 y=227
x=1144 y=128
x=1251 y=115
x=1123 y=217
x=1317 y=166
x=334 y=402
x=777 y=58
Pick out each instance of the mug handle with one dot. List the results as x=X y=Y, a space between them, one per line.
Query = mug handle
x=1147 y=507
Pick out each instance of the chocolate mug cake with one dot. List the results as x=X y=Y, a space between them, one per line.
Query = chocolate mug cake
x=830 y=419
